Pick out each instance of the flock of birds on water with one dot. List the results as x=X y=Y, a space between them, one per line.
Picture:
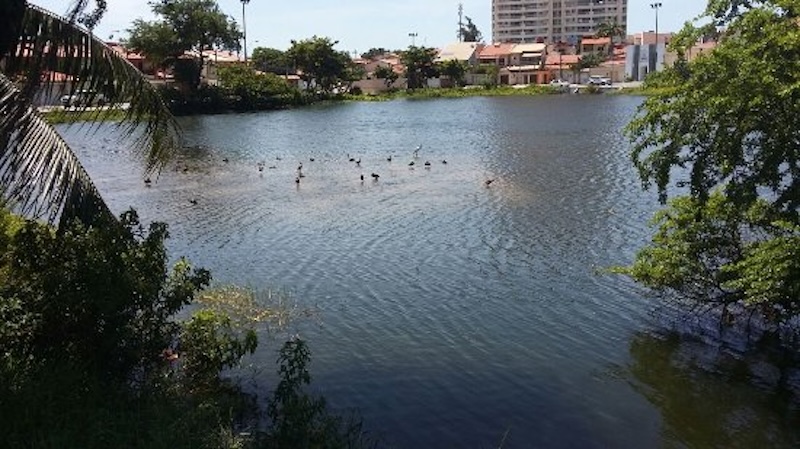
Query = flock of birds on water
x=375 y=176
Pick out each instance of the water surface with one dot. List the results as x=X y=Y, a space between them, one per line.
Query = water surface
x=451 y=313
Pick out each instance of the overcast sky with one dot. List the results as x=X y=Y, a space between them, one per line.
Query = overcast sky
x=361 y=24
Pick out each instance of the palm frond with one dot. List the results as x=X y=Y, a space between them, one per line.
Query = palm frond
x=40 y=176
x=50 y=44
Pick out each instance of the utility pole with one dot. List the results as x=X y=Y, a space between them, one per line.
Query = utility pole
x=244 y=29
x=460 y=22
x=656 y=6
x=413 y=37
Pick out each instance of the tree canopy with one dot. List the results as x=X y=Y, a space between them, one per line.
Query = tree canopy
x=374 y=52
x=184 y=26
x=469 y=32
x=722 y=133
x=321 y=66
x=420 y=65
x=386 y=73
x=270 y=60
x=611 y=30
x=455 y=70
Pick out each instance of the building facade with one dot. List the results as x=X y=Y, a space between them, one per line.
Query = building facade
x=551 y=21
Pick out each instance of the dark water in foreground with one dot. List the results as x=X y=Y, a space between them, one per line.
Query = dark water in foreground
x=451 y=314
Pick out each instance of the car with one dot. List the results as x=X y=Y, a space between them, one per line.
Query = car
x=597 y=80
x=82 y=98
x=559 y=83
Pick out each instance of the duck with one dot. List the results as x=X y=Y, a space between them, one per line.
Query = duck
x=225 y=159
x=427 y=163
x=193 y=201
x=411 y=163
x=375 y=176
x=444 y=162
x=488 y=182
x=147 y=181
x=389 y=158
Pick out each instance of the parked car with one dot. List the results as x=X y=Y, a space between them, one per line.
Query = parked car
x=597 y=80
x=83 y=97
x=559 y=83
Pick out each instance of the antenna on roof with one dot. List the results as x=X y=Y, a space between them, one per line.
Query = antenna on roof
x=460 y=22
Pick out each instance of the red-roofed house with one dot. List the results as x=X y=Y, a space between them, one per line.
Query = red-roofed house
x=559 y=66
x=496 y=54
x=600 y=45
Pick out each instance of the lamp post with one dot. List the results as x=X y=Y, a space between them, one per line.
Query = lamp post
x=656 y=6
x=413 y=37
x=244 y=29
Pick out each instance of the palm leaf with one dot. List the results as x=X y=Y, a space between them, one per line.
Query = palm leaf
x=47 y=44
x=40 y=175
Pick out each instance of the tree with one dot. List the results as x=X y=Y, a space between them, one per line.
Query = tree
x=185 y=27
x=610 y=30
x=271 y=60
x=455 y=70
x=727 y=138
x=387 y=74
x=420 y=65
x=320 y=66
x=374 y=53
x=469 y=32
x=254 y=90
x=41 y=176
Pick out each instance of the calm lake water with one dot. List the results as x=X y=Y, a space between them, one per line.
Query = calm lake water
x=449 y=313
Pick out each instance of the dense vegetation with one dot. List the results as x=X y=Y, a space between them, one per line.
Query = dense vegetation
x=720 y=134
x=94 y=356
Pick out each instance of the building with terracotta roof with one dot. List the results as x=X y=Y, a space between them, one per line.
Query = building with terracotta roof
x=551 y=21
x=460 y=51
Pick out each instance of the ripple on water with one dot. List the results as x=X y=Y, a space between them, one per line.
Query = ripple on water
x=450 y=311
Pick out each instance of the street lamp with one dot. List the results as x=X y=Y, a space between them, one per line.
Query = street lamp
x=244 y=29
x=413 y=37
x=656 y=6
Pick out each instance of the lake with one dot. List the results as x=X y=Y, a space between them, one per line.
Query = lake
x=448 y=312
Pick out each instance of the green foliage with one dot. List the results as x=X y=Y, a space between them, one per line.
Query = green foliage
x=388 y=75
x=184 y=26
x=100 y=298
x=420 y=65
x=254 y=91
x=611 y=30
x=725 y=126
x=704 y=121
x=469 y=32
x=212 y=344
x=455 y=70
x=374 y=53
x=590 y=60
x=715 y=253
x=321 y=66
x=271 y=60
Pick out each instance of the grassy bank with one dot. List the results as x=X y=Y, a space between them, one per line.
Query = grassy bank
x=499 y=91
x=59 y=115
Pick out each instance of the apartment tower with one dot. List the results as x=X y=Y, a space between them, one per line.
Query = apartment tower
x=552 y=21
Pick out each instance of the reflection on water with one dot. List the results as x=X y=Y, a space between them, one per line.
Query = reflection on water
x=451 y=312
x=710 y=397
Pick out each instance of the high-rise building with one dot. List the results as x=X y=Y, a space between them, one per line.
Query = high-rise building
x=552 y=21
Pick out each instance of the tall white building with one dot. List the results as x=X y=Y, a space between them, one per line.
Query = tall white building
x=552 y=21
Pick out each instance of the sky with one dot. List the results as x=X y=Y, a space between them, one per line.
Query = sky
x=359 y=25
